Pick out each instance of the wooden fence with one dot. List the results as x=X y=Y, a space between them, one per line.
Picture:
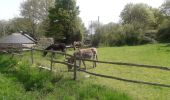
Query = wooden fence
x=100 y=75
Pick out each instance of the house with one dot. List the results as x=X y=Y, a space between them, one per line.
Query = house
x=16 y=41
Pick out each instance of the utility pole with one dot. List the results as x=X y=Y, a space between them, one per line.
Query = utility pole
x=98 y=20
x=91 y=30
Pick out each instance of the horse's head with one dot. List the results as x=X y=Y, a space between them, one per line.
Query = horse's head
x=77 y=44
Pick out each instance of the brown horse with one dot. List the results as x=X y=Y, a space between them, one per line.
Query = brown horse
x=88 y=53
x=77 y=44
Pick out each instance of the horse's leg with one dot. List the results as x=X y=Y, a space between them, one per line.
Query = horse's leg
x=96 y=60
x=96 y=57
x=79 y=64
x=94 y=63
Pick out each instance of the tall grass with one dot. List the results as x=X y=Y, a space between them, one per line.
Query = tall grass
x=19 y=80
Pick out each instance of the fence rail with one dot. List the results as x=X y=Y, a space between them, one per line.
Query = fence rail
x=125 y=80
x=106 y=62
x=130 y=64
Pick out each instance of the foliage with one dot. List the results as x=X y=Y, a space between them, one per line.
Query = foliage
x=165 y=8
x=163 y=34
x=36 y=11
x=40 y=85
x=135 y=28
x=30 y=77
x=65 y=25
x=4 y=28
x=33 y=79
x=117 y=35
x=132 y=15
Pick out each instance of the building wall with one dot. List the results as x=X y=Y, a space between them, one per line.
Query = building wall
x=17 y=46
x=28 y=45
x=9 y=46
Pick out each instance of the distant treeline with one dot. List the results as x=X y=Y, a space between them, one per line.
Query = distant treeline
x=139 y=24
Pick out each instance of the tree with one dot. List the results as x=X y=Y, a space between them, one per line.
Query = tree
x=139 y=15
x=3 y=27
x=165 y=8
x=19 y=24
x=36 y=11
x=163 y=34
x=64 y=21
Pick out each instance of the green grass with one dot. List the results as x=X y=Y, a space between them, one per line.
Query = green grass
x=157 y=54
x=94 y=88
x=22 y=81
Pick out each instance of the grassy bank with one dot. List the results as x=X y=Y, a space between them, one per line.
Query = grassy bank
x=20 y=80
x=95 y=87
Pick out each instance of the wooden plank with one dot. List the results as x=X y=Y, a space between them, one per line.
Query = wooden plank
x=125 y=80
x=75 y=69
x=58 y=52
x=130 y=64
x=32 y=58
x=44 y=68
x=51 y=65
x=63 y=63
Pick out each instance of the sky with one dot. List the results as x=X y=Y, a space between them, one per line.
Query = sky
x=107 y=10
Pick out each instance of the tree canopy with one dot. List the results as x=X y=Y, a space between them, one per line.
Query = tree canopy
x=64 y=21
x=139 y=15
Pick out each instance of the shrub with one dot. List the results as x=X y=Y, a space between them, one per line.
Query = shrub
x=163 y=35
x=29 y=76
x=33 y=79
x=6 y=63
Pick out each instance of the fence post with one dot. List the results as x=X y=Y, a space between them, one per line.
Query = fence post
x=32 y=58
x=75 y=69
x=51 y=65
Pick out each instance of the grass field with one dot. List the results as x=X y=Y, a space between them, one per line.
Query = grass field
x=157 y=54
x=151 y=54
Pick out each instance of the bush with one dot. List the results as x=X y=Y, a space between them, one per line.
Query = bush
x=163 y=35
x=145 y=40
x=34 y=79
x=6 y=63
x=29 y=76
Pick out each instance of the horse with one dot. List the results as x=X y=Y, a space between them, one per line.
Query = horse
x=56 y=47
x=77 y=44
x=88 y=53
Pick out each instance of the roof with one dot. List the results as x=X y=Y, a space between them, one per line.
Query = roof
x=29 y=37
x=16 y=38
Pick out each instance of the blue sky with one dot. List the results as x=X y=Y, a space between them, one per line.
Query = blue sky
x=108 y=10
